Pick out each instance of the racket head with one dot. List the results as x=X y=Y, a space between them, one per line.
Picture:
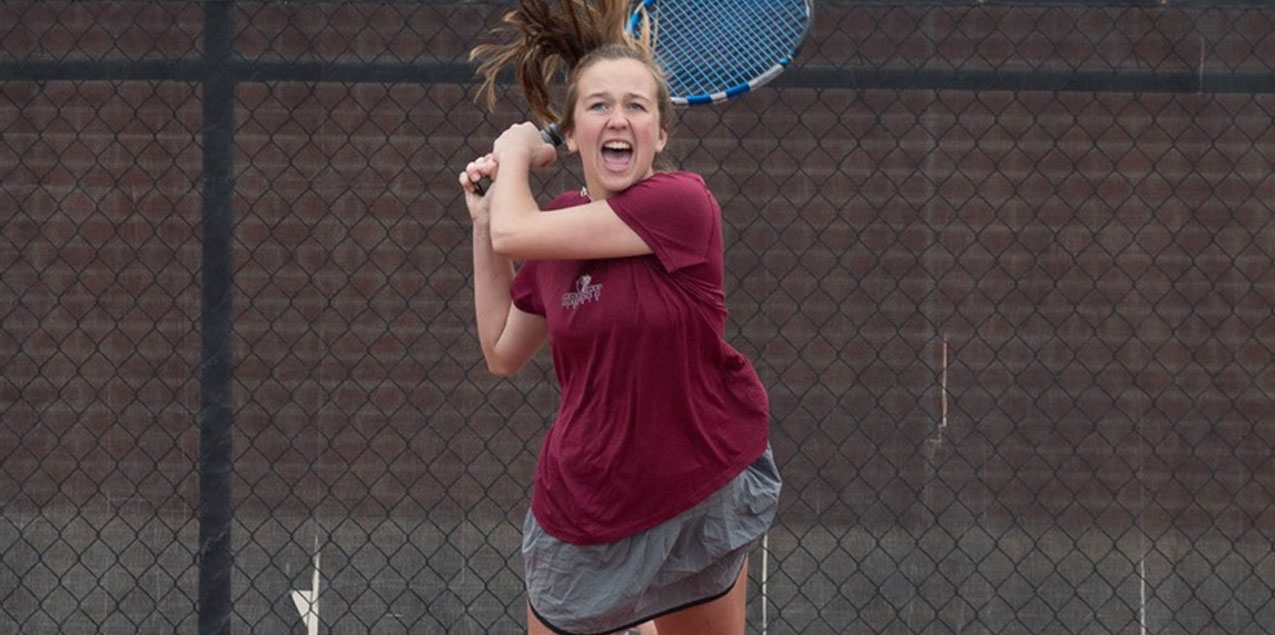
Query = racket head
x=714 y=50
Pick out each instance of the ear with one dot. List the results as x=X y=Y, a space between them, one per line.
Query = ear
x=570 y=139
x=659 y=147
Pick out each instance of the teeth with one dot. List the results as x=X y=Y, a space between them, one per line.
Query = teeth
x=617 y=145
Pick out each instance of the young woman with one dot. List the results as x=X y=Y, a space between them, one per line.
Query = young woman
x=656 y=479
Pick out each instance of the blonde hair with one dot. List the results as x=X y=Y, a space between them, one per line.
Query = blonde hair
x=542 y=43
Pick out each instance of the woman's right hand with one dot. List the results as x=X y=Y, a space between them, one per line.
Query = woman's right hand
x=526 y=136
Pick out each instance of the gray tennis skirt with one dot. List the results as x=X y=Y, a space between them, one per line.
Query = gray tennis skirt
x=688 y=560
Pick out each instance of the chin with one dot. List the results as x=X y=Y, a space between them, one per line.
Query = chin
x=615 y=184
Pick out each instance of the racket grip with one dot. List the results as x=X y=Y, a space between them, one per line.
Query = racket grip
x=551 y=136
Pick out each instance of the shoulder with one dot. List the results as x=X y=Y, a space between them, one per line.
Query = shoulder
x=675 y=181
x=682 y=187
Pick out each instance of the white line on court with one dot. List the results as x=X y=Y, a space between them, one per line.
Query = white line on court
x=943 y=391
x=308 y=601
x=765 y=569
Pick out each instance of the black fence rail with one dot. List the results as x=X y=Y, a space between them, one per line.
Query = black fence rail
x=1007 y=270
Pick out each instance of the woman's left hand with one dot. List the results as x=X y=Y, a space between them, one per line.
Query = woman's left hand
x=484 y=167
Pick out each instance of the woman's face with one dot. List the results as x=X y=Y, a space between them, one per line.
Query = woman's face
x=617 y=125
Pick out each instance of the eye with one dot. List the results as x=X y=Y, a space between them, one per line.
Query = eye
x=598 y=105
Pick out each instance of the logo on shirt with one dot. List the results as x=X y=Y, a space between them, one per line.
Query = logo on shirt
x=584 y=292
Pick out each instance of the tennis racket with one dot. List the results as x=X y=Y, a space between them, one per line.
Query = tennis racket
x=715 y=50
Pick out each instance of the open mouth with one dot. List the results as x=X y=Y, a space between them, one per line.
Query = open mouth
x=617 y=155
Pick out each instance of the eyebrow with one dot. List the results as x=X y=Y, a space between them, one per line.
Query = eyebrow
x=600 y=94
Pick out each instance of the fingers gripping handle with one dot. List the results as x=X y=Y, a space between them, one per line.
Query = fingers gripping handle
x=549 y=133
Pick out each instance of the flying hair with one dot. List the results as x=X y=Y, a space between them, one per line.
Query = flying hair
x=543 y=42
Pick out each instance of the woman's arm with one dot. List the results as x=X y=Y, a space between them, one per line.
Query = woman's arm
x=520 y=230
x=508 y=336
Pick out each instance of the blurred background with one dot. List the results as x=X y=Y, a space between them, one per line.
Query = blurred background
x=1006 y=270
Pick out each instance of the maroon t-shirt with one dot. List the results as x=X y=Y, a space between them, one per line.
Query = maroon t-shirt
x=658 y=411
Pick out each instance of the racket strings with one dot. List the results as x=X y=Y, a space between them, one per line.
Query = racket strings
x=717 y=46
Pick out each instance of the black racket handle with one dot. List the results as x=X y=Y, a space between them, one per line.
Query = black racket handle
x=551 y=136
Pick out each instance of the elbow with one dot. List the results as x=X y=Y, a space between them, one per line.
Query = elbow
x=501 y=369
x=512 y=232
x=504 y=243
x=500 y=365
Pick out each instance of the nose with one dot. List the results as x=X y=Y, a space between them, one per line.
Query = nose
x=618 y=119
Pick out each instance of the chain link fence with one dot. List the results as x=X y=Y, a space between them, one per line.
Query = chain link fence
x=1006 y=270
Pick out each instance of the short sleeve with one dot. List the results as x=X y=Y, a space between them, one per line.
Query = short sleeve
x=675 y=214
x=523 y=290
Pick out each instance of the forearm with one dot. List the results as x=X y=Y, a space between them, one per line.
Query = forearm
x=513 y=205
x=492 y=303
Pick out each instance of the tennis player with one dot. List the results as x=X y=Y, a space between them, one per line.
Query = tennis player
x=656 y=479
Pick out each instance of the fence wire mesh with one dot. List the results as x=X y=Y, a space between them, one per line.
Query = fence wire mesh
x=1006 y=270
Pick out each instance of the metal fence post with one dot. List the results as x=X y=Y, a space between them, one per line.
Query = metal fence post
x=216 y=418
